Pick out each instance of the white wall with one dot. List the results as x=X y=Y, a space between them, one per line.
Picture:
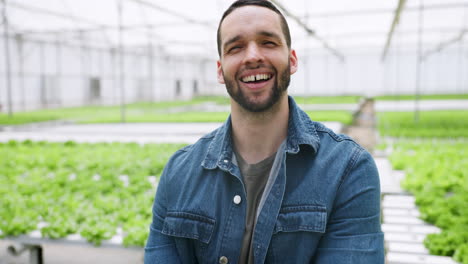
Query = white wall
x=65 y=72
x=67 y=69
x=364 y=73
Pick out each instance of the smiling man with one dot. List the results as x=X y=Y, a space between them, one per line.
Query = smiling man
x=270 y=185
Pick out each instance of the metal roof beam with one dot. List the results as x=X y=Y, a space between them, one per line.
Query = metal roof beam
x=377 y=11
x=361 y=34
x=59 y=15
x=102 y=28
x=445 y=44
x=173 y=13
x=53 y=13
x=396 y=20
x=309 y=31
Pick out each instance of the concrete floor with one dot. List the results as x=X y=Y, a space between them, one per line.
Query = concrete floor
x=423 y=105
x=141 y=133
x=56 y=253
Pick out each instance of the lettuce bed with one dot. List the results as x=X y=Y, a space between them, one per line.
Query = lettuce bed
x=87 y=189
x=437 y=175
x=432 y=124
x=143 y=114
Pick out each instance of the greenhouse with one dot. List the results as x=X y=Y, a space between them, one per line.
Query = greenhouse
x=97 y=96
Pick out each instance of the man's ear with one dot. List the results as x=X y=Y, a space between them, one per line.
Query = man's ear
x=293 y=61
x=220 y=72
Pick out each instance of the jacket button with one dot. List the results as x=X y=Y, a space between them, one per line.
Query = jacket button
x=237 y=199
x=223 y=260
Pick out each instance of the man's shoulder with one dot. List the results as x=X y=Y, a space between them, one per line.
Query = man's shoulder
x=326 y=133
x=342 y=149
x=316 y=131
x=340 y=144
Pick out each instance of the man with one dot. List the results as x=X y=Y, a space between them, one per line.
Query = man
x=270 y=185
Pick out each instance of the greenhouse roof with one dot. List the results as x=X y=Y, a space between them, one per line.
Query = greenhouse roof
x=189 y=27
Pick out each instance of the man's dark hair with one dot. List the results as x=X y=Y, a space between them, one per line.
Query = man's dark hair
x=262 y=3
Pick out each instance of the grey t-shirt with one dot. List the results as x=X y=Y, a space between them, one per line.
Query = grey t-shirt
x=255 y=178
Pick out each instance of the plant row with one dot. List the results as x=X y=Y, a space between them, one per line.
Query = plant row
x=145 y=112
x=88 y=189
x=428 y=124
x=437 y=175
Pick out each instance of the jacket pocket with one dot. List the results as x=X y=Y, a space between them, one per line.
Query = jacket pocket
x=311 y=218
x=188 y=225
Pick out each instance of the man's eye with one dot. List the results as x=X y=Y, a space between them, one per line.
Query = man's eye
x=269 y=43
x=232 y=49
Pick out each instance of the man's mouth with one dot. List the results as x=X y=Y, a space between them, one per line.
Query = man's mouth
x=256 y=78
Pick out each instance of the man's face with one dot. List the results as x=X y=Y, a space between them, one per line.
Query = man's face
x=255 y=63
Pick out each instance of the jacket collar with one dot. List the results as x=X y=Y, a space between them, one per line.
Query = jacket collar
x=301 y=131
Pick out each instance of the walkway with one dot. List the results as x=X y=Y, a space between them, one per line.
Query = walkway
x=380 y=106
x=404 y=231
x=130 y=132
x=423 y=105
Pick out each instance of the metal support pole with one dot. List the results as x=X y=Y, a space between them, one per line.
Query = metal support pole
x=7 y=59
x=307 y=51
x=461 y=51
x=35 y=252
x=100 y=77
x=58 y=70
x=121 y=65
x=396 y=20
x=464 y=68
x=82 y=69
x=35 y=255
x=465 y=57
x=326 y=68
x=114 y=75
x=397 y=63
x=44 y=92
x=150 y=65
x=419 y=61
x=459 y=84
x=385 y=78
x=19 y=43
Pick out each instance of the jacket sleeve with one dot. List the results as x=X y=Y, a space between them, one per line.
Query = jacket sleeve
x=160 y=248
x=353 y=232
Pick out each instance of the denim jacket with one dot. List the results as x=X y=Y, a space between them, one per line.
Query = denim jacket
x=323 y=206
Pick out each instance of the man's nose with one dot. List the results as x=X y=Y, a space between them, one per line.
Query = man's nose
x=253 y=54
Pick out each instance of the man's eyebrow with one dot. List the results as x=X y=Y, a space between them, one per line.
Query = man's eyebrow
x=269 y=34
x=262 y=33
x=232 y=40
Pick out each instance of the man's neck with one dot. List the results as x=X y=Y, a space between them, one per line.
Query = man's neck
x=257 y=136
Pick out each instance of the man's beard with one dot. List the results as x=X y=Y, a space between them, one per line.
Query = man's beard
x=279 y=87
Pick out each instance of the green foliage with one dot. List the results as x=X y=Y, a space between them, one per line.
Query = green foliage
x=423 y=97
x=87 y=189
x=445 y=243
x=346 y=99
x=136 y=112
x=382 y=146
x=23 y=118
x=180 y=117
x=461 y=254
x=154 y=116
x=344 y=117
x=437 y=175
x=162 y=112
x=440 y=124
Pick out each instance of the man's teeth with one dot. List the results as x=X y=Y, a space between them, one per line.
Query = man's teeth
x=257 y=77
